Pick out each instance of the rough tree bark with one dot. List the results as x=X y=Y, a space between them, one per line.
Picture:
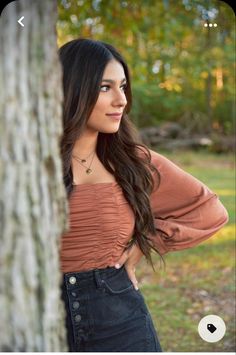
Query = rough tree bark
x=33 y=208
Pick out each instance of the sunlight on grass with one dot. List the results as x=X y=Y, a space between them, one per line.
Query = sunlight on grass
x=224 y=192
x=226 y=233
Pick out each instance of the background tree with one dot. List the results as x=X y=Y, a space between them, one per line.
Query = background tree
x=32 y=195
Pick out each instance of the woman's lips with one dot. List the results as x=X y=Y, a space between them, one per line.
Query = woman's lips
x=116 y=116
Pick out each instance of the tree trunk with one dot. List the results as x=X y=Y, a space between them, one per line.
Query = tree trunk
x=33 y=208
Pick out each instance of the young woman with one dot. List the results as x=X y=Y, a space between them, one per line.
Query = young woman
x=125 y=200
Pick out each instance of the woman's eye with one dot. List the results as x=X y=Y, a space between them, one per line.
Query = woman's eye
x=104 y=88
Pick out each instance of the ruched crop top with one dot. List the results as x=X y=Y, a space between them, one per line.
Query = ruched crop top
x=101 y=222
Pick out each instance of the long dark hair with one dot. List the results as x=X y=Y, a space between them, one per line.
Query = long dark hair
x=122 y=153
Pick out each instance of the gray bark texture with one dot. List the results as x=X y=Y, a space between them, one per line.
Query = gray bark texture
x=33 y=207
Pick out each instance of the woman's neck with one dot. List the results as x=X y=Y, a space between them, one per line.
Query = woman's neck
x=85 y=144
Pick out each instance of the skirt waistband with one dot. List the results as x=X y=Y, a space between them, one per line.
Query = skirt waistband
x=91 y=277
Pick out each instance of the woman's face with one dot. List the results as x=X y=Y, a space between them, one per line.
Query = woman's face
x=107 y=112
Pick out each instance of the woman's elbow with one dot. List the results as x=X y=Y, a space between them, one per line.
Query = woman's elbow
x=220 y=215
x=225 y=215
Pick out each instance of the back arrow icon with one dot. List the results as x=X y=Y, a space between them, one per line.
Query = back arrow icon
x=19 y=21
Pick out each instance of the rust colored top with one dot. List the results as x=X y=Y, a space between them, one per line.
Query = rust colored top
x=186 y=212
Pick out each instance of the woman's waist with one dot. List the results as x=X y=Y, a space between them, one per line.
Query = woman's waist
x=99 y=257
x=94 y=278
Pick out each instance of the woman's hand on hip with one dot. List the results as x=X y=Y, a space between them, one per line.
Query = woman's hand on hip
x=130 y=259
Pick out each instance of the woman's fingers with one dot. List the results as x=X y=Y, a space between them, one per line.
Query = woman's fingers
x=132 y=277
x=130 y=258
x=122 y=260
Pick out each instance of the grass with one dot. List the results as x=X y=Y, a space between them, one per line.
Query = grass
x=199 y=281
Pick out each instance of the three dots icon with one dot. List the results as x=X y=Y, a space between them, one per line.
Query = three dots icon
x=210 y=24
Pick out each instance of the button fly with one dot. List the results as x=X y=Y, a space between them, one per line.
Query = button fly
x=75 y=305
x=78 y=318
x=72 y=280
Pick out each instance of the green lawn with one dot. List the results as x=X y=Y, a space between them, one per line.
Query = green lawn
x=199 y=281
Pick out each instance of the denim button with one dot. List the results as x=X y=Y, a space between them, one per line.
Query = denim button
x=72 y=280
x=78 y=318
x=75 y=305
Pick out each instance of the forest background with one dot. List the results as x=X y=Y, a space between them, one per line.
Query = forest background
x=181 y=55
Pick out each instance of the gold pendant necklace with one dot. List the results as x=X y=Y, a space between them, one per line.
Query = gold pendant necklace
x=88 y=171
x=84 y=160
x=81 y=161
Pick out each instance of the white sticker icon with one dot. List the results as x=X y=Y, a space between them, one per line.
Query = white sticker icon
x=211 y=328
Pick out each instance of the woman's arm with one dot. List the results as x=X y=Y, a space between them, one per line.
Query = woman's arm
x=186 y=212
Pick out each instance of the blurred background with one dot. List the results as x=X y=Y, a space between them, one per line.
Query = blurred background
x=181 y=56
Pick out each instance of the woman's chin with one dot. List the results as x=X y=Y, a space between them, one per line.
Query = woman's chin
x=111 y=130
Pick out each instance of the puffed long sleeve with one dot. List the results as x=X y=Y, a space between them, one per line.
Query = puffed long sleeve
x=186 y=212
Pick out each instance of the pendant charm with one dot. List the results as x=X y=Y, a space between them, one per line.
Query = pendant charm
x=88 y=171
x=83 y=161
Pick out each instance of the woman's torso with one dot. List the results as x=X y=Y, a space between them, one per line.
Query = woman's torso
x=101 y=221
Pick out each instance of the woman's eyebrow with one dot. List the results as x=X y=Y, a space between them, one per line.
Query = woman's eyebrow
x=113 y=81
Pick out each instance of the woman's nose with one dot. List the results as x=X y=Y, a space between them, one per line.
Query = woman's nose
x=120 y=100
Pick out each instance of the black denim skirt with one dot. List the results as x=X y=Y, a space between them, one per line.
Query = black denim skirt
x=104 y=313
